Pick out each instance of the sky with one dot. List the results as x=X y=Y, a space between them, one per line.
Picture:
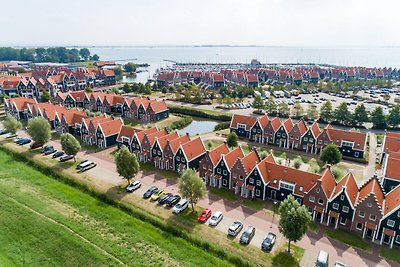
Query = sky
x=202 y=22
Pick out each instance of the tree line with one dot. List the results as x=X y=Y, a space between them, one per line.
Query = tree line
x=50 y=54
x=340 y=115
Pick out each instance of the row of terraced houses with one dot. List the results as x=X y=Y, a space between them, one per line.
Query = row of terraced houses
x=51 y=79
x=254 y=76
x=299 y=136
x=369 y=209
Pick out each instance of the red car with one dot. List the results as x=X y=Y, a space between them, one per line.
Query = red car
x=205 y=215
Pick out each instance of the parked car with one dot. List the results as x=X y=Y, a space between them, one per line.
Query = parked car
x=11 y=135
x=50 y=151
x=181 y=206
x=340 y=264
x=3 y=131
x=157 y=194
x=322 y=259
x=82 y=162
x=35 y=145
x=58 y=154
x=247 y=235
x=18 y=139
x=172 y=201
x=164 y=198
x=133 y=186
x=66 y=158
x=268 y=241
x=23 y=141
x=205 y=215
x=45 y=148
x=235 y=228
x=150 y=191
x=87 y=165
x=216 y=218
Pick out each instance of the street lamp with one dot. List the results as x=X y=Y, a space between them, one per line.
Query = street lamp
x=273 y=214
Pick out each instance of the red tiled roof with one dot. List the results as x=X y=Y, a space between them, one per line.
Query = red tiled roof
x=391 y=142
x=263 y=121
x=392 y=200
x=111 y=127
x=372 y=187
x=127 y=132
x=158 y=106
x=178 y=141
x=77 y=95
x=216 y=153
x=140 y=135
x=21 y=103
x=276 y=123
x=250 y=161
x=315 y=129
x=96 y=120
x=232 y=156
x=218 y=77
x=288 y=124
x=242 y=119
x=108 y=72
x=194 y=148
x=162 y=141
x=152 y=137
x=302 y=127
x=358 y=138
x=73 y=116
x=392 y=167
x=328 y=182
x=351 y=187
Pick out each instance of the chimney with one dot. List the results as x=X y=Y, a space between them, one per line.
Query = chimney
x=328 y=166
x=187 y=134
x=225 y=142
x=168 y=142
x=351 y=171
x=254 y=149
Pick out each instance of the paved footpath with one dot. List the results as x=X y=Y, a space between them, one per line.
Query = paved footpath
x=261 y=220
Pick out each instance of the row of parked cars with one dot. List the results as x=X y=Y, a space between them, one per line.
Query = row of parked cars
x=178 y=205
x=238 y=105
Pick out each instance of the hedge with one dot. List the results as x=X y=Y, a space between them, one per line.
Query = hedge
x=133 y=211
x=201 y=113
x=222 y=125
x=184 y=121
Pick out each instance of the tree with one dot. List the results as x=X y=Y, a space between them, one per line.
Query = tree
x=393 y=119
x=294 y=219
x=88 y=90
x=127 y=163
x=39 y=130
x=232 y=139
x=331 y=154
x=130 y=67
x=378 y=119
x=283 y=109
x=270 y=105
x=360 y=115
x=11 y=124
x=298 y=110
x=191 y=186
x=69 y=144
x=117 y=71
x=84 y=53
x=258 y=103
x=326 y=111
x=45 y=97
x=95 y=57
x=312 y=112
x=342 y=114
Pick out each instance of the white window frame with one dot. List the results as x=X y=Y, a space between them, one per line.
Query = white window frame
x=390 y=223
x=311 y=199
x=335 y=206
x=359 y=228
x=345 y=209
x=361 y=214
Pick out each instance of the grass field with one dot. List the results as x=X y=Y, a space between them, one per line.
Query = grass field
x=348 y=238
x=47 y=223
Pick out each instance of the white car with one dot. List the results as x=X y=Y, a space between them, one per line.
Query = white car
x=181 y=206
x=133 y=186
x=216 y=218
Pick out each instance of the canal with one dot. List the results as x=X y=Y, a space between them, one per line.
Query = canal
x=199 y=126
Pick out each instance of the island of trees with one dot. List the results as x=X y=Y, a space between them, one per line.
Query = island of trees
x=51 y=54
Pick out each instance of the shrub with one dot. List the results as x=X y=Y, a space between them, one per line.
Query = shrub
x=214 y=115
x=184 y=121
x=297 y=162
x=222 y=125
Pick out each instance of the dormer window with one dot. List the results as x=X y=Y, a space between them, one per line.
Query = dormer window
x=317 y=190
x=341 y=197
x=369 y=204
x=301 y=189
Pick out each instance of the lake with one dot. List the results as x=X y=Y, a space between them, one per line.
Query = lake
x=198 y=126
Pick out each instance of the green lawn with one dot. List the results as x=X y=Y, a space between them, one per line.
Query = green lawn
x=150 y=168
x=211 y=144
x=348 y=238
x=255 y=204
x=392 y=254
x=44 y=223
x=284 y=259
x=223 y=193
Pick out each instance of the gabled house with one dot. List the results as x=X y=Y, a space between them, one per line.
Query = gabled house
x=157 y=149
x=241 y=125
x=316 y=199
x=296 y=134
x=389 y=226
x=107 y=132
x=210 y=160
x=257 y=130
x=189 y=155
x=341 y=205
x=281 y=138
x=241 y=169
x=270 y=130
x=125 y=136
x=89 y=127
x=74 y=99
x=156 y=111
x=309 y=139
x=369 y=209
x=147 y=144
x=18 y=107
x=323 y=139
x=137 y=139
x=350 y=143
x=390 y=143
x=170 y=149
x=255 y=185
x=69 y=121
x=391 y=171
x=222 y=170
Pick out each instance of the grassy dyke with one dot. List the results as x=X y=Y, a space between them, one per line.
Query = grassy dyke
x=141 y=215
x=201 y=113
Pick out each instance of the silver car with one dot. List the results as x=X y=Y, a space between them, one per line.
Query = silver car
x=216 y=218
